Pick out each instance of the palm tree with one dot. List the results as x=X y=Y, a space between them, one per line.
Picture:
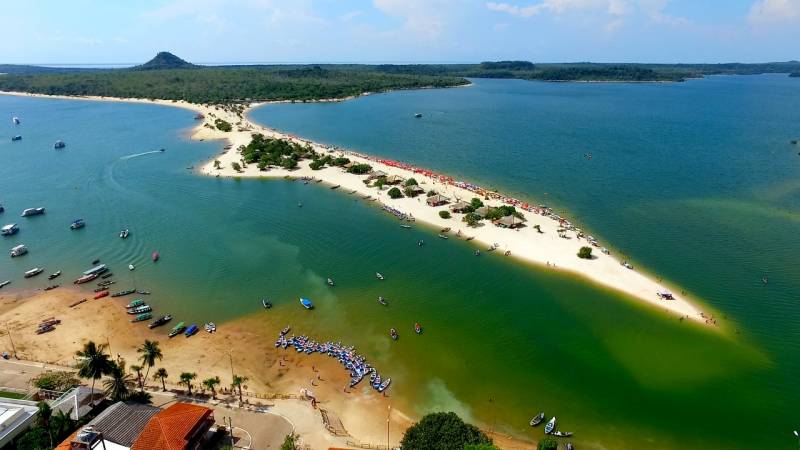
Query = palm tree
x=45 y=413
x=238 y=381
x=94 y=363
x=186 y=378
x=161 y=374
x=150 y=352
x=210 y=383
x=117 y=387
x=62 y=423
x=138 y=370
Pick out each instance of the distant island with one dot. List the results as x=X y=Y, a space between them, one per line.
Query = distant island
x=169 y=77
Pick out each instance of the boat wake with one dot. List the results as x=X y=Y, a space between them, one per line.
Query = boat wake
x=140 y=154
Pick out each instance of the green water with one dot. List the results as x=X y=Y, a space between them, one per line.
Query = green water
x=616 y=373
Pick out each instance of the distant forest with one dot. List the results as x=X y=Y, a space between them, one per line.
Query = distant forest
x=169 y=77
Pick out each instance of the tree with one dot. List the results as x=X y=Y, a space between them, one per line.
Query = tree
x=316 y=164
x=360 y=169
x=585 y=253
x=149 y=352
x=547 y=443
x=410 y=182
x=117 y=386
x=94 y=363
x=472 y=219
x=56 y=381
x=289 y=442
x=237 y=383
x=480 y=447
x=217 y=164
x=138 y=370
x=34 y=439
x=395 y=193
x=186 y=378
x=444 y=214
x=236 y=166
x=45 y=413
x=62 y=423
x=476 y=202
x=442 y=431
x=380 y=182
x=223 y=125
x=140 y=397
x=161 y=374
x=211 y=383
x=430 y=193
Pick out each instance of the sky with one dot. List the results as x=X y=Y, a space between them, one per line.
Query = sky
x=399 y=31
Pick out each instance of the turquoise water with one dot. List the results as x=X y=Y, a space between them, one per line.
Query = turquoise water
x=616 y=373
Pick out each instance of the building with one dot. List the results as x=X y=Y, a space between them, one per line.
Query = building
x=394 y=179
x=116 y=428
x=182 y=426
x=375 y=174
x=16 y=416
x=509 y=221
x=460 y=207
x=78 y=401
x=483 y=211
x=437 y=200
x=415 y=190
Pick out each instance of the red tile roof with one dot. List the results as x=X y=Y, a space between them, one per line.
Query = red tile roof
x=172 y=428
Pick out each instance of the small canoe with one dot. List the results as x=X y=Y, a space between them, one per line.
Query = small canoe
x=306 y=303
x=191 y=330
x=177 y=329
x=383 y=301
x=266 y=303
x=101 y=294
x=378 y=276
x=539 y=418
x=54 y=275
x=393 y=334
x=551 y=424
x=417 y=328
x=154 y=256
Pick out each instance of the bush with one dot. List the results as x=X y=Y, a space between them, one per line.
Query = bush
x=472 y=219
x=56 y=381
x=547 y=443
x=585 y=253
x=316 y=164
x=360 y=169
x=223 y=125
x=341 y=161
x=236 y=166
x=431 y=193
x=444 y=214
x=395 y=193
x=442 y=431
x=410 y=182
x=476 y=203
x=380 y=182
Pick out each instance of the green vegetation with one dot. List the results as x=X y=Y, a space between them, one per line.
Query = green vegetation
x=275 y=152
x=49 y=429
x=480 y=447
x=472 y=219
x=211 y=384
x=410 y=182
x=56 y=381
x=161 y=374
x=360 y=169
x=170 y=78
x=430 y=193
x=289 y=442
x=237 y=383
x=585 y=253
x=14 y=395
x=118 y=384
x=223 y=125
x=93 y=363
x=236 y=166
x=444 y=214
x=395 y=193
x=442 y=431
x=502 y=211
x=186 y=379
x=149 y=353
x=547 y=443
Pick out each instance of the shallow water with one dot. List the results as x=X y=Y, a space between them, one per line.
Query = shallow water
x=502 y=341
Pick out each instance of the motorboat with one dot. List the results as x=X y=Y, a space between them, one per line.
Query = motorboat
x=15 y=120
x=210 y=327
x=160 y=321
x=266 y=303
x=420 y=243
x=441 y=236
x=177 y=329
x=417 y=115
x=59 y=145
x=143 y=292
x=32 y=212
x=477 y=253
x=142 y=317
x=123 y=293
x=33 y=272
x=16 y=138
x=9 y=229
x=131 y=267
x=383 y=301
x=405 y=226
x=154 y=256
x=51 y=287
x=330 y=282
x=378 y=276
x=135 y=303
x=551 y=424
x=124 y=234
x=191 y=330
x=569 y=446
x=306 y=303
x=54 y=275
x=101 y=294
x=86 y=278
x=384 y=385
x=562 y=433
x=626 y=265
x=285 y=330
x=77 y=223
x=538 y=419
x=5 y=283
x=418 y=328
x=19 y=250
x=393 y=334
x=98 y=269
x=140 y=309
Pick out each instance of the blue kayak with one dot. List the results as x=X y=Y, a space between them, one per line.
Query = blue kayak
x=306 y=303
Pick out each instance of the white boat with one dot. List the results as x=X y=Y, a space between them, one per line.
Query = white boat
x=378 y=275
x=330 y=282
x=9 y=229
x=5 y=283
x=33 y=272
x=19 y=250
x=15 y=120
x=124 y=233
x=551 y=424
x=32 y=212
x=131 y=267
x=210 y=327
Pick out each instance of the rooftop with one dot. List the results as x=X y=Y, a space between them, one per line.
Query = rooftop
x=173 y=428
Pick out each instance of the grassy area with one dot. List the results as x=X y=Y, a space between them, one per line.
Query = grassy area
x=14 y=395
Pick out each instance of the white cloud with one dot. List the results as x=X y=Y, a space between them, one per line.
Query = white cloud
x=422 y=19
x=774 y=11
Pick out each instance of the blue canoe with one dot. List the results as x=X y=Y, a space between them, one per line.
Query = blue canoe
x=191 y=330
x=306 y=303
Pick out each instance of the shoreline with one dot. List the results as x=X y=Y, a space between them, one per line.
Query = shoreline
x=546 y=249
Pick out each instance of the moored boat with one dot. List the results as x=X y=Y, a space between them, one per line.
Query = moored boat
x=306 y=303
x=5 y=283
x=18 y=250
x=122 y=293
x=54 y=275
x=441 y=236
x=124 y=233
x=50 y=288
x=154 y=256
x=77 y=223
x=551 y=424
x=177 y=329
x=562 y=433
x=16 y=138
x=142 y=317
x=59 y=144
x=382 y=301
x=9 y=229
x=86 y=278
x=379 y=276
x=539 y=418
x=405 y=226
x=15 y=120
x=140 y=309
x=330 y=282
x=384 y=385
x=417 y=328
x=191 y=330
x=160 y=321
x=131 y=267
x=266 y=303
x=135 y=303
x=32 y=212
x=210 y=327
x=393 y=334
x=101 y=294
x=108 y=275
x=98 y=269
x=285 y=330
x=33 y=272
